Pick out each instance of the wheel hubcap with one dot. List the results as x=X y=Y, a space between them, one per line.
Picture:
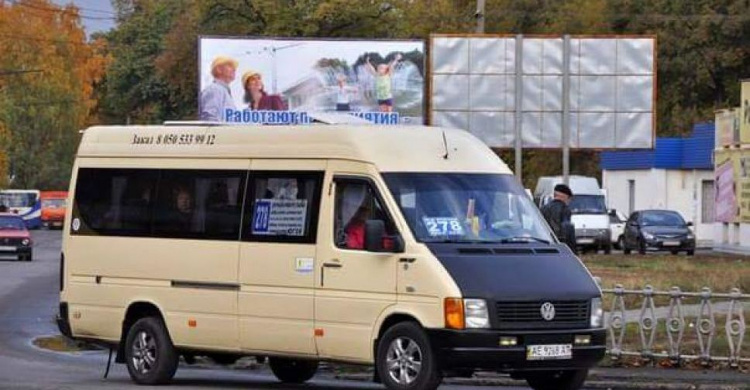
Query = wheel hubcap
x=144 y=353
x=404 y=360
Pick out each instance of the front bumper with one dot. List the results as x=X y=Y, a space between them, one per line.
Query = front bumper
x=16 y=249
x=661 y=244
x=597 y=241
x=480 y=349
x=63 y=323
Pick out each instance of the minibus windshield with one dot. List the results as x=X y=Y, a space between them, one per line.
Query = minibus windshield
x=588 y=204
x=466 y=207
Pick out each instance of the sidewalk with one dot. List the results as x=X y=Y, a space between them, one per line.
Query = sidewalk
x=614 y=379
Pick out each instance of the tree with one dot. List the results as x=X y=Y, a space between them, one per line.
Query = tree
x=46 y=91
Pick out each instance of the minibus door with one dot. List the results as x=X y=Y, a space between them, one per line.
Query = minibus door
x=354 y=285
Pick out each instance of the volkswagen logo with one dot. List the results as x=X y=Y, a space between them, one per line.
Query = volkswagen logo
x=548 y=311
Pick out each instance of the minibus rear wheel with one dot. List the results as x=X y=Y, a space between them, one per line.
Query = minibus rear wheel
x=405 y=359
x=293 y=370
x=557 y=380
x=149 y=354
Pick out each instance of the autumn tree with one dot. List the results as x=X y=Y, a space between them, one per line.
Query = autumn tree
x=46 y=90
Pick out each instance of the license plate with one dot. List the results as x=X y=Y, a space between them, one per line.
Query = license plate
x=56 y=224
x=671 y=243
x=7 y=248
x=585 y=240
x=549 y=352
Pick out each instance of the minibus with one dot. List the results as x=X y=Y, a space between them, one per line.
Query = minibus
x=412 y=249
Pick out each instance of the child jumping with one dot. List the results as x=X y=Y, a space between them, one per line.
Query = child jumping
x=382 y=75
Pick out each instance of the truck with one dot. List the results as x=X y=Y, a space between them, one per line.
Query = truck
x=53 y=208
x=588 y=208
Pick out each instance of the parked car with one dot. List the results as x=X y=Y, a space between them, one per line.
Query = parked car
x=14 y=237
x=661 y=230
x=617 y=222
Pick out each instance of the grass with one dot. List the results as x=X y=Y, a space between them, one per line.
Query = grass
x=720 y=272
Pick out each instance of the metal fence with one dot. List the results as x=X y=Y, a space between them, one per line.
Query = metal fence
x=675 y=322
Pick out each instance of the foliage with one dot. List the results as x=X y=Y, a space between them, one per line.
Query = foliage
x=46 y=91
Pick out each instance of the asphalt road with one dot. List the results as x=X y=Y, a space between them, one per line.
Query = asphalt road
x=28 y=303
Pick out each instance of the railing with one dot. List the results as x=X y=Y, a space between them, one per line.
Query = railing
x=675 y=324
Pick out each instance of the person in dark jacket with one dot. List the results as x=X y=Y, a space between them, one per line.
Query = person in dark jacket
x=557 y=214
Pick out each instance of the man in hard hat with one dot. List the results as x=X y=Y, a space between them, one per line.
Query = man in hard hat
x=217 y=97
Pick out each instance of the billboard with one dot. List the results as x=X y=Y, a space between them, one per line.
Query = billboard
x=727 y=127
x=725 y=180
x=611 y=88
x=283 y=81
x=745 y=112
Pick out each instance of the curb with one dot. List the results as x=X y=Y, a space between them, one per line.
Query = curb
x=596 y=381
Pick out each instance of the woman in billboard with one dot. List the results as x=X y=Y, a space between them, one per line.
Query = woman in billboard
x=382 y=74
x=256 y=96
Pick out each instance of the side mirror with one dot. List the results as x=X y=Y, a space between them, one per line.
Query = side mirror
x=374 y=233
x=689 y=224
x=635 y=224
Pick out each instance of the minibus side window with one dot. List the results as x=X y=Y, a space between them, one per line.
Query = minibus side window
x=114 y=202
x=282 y=207
x=199 y=204
x=356 y=203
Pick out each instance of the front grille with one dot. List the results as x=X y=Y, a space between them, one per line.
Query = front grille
x=518 y=315
x=587 y=233
x=669 y=236
x=10 y=241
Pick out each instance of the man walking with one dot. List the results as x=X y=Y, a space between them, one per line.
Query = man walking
x=557 y=214
x=216 y=98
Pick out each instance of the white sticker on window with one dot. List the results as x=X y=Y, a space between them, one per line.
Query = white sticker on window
x=279 y=217
x=443 y=226
x=76 y=224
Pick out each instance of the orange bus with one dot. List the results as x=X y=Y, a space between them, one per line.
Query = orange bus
x=53 y=208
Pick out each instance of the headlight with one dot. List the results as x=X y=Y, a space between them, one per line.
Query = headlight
x=597 y=314
x=475 y=314
x=605 y=233
x=25 y=242
x=648 y=236
x=691 y=236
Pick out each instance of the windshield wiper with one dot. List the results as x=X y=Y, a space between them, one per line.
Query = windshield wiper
x=522 y=239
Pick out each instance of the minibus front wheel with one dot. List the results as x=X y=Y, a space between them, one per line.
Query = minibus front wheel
x=557 y=380
x=405 y=360
x=149 y=354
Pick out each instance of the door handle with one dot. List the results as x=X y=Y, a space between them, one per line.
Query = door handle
x=407 y=260
x=323 y=271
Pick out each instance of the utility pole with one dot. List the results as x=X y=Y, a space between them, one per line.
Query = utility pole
x=480 y=16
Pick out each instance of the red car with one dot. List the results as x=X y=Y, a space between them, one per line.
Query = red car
x=14 y=237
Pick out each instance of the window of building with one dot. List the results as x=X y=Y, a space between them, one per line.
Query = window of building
x=356 y=203
x=708 y=203
x=283 y=207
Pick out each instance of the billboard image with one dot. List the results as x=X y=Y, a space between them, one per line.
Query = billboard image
x=745 y=112
x=285 y=81
x=726 y=186
x=727 y=127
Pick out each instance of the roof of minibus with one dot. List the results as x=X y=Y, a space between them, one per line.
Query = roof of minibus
x=389 y=148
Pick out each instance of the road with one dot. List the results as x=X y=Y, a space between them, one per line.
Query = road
x=28 y=303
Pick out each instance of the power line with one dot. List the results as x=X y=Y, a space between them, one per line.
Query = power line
x=62 y=11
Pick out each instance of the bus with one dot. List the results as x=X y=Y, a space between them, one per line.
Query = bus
x=25 y=203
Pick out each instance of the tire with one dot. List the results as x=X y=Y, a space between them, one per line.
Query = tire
x=293 y=370
x=620 y=244
x=149 y=354
x=691 y=252
x=625 y=248
x=29 y=256
x=557 y=380
x=674 y=252
x=608 y=249
x=405 y=349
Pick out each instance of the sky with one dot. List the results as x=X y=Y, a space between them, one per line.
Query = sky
x=96 y=15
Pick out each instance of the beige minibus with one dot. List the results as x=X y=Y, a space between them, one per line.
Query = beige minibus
x=413 y=249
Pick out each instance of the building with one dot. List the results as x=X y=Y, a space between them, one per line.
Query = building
x=677 y=175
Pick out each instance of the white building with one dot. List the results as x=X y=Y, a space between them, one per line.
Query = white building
x=677 y=175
